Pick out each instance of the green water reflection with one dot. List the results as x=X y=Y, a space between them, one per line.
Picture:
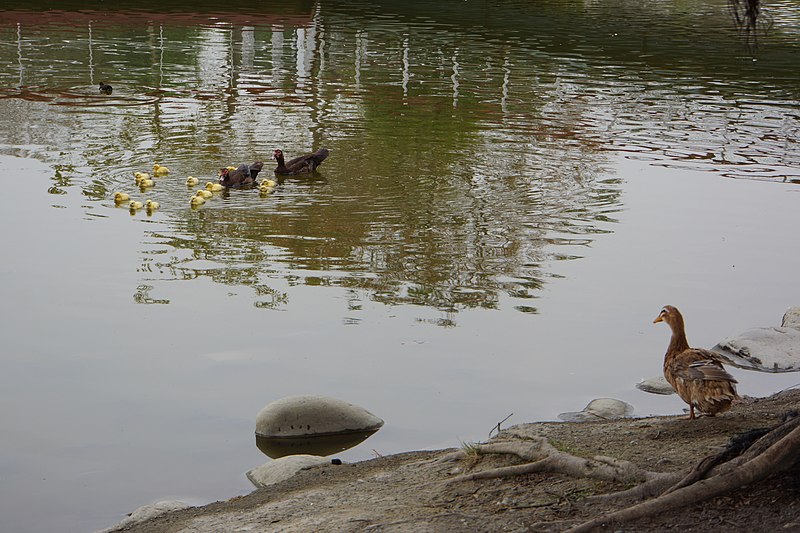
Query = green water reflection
x=466 y=151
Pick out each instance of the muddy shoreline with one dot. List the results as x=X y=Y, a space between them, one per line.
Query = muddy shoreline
x=411 y=491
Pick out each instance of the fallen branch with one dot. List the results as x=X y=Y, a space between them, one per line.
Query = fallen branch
x=544 y=457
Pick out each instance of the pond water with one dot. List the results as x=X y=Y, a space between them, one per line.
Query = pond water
x=512 y=195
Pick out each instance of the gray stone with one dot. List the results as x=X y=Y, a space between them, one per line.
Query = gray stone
x=655 y=385
x=765 y=349
x=599 y=409
x=283 y=468
x=297 y=416
x=146 y=512
x=791 y=319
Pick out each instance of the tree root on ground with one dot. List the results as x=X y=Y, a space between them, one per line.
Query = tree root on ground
x=746 y=460
x=544 y=457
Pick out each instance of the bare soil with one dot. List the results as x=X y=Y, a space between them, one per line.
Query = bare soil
x=410 y=491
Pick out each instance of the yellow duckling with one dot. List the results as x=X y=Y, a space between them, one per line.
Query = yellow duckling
x=151 y=205
x=268 y=183
x=135 y=206
x=120 y=197
x=204 y=193
x=146 y=184
x=159 y=170
x=191 y=181
x=197 y=200
x=141 y=176
x=214 y=187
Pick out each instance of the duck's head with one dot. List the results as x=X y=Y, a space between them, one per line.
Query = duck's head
x=277 y=154
x=670 y=315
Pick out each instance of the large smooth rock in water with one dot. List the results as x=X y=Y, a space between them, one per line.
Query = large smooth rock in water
x=283 y=468
x=599 y=409
x=656 y=385
x=302 y=416
x=775 y=349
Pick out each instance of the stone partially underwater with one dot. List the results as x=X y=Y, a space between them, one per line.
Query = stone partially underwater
x=599 y=409
x=315 y=425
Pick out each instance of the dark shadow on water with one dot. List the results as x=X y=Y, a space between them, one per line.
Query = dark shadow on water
x=321 y=445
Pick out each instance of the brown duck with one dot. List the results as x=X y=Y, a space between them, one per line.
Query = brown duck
x=696 y=374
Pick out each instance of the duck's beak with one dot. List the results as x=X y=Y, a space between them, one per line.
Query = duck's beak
x=659 y=318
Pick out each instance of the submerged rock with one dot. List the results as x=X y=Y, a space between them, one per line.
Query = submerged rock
x=655 y=385
x=769 y=349
x=283 y=468
x=599 y=409
x=302 y=416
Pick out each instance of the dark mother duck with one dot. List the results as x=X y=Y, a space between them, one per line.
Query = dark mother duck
x=242 y=176
x=300 y=165
x=106 y=88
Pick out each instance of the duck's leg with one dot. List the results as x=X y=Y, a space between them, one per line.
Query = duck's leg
x=691 y=411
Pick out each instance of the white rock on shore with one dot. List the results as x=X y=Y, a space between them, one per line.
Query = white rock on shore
x=767 y=349
x=283 y=468
x=146 y=512
x=599 y=409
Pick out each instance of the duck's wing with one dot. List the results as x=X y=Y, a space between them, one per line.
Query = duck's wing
x=701 y=365
x=308 y=162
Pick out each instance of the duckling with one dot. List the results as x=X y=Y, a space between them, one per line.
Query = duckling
x=204 y=193
x=214 y=187
x=268 y=183
x=146 y=184
x=265 y=189
x=139 y=176
x=150 y=205
x=135 y=206
x=191 y=181
x=120 y=197
x=197 y=200
x=160 y=170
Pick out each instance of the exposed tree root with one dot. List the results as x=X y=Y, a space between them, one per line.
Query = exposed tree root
x=544 y=457
x=749 y=457
x=781 y=454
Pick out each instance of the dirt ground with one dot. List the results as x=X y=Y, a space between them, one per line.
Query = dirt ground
x=410 y=492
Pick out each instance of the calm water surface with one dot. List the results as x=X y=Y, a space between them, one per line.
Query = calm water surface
x=512 y=195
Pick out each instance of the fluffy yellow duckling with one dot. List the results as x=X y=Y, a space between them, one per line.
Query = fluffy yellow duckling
x=268 y=183
x=135 y=206
x=214 y=187
x=141 y=176
x=120 y=197
x=191 y=181
x=159 y=170
x=150 y=205
x=204 y=193
x=146 y=184
x=197 y=200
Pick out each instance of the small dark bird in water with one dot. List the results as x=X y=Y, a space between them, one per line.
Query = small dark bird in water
x=300 y=165
x=697 y=375
x=242 y=176
x=106 y=88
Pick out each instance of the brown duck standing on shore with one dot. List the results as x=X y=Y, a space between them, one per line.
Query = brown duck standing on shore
x=696 y=375
x=242 y=176
x=300 y=165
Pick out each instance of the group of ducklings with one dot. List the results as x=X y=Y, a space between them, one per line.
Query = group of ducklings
x=135 y=205
x=144 y=181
